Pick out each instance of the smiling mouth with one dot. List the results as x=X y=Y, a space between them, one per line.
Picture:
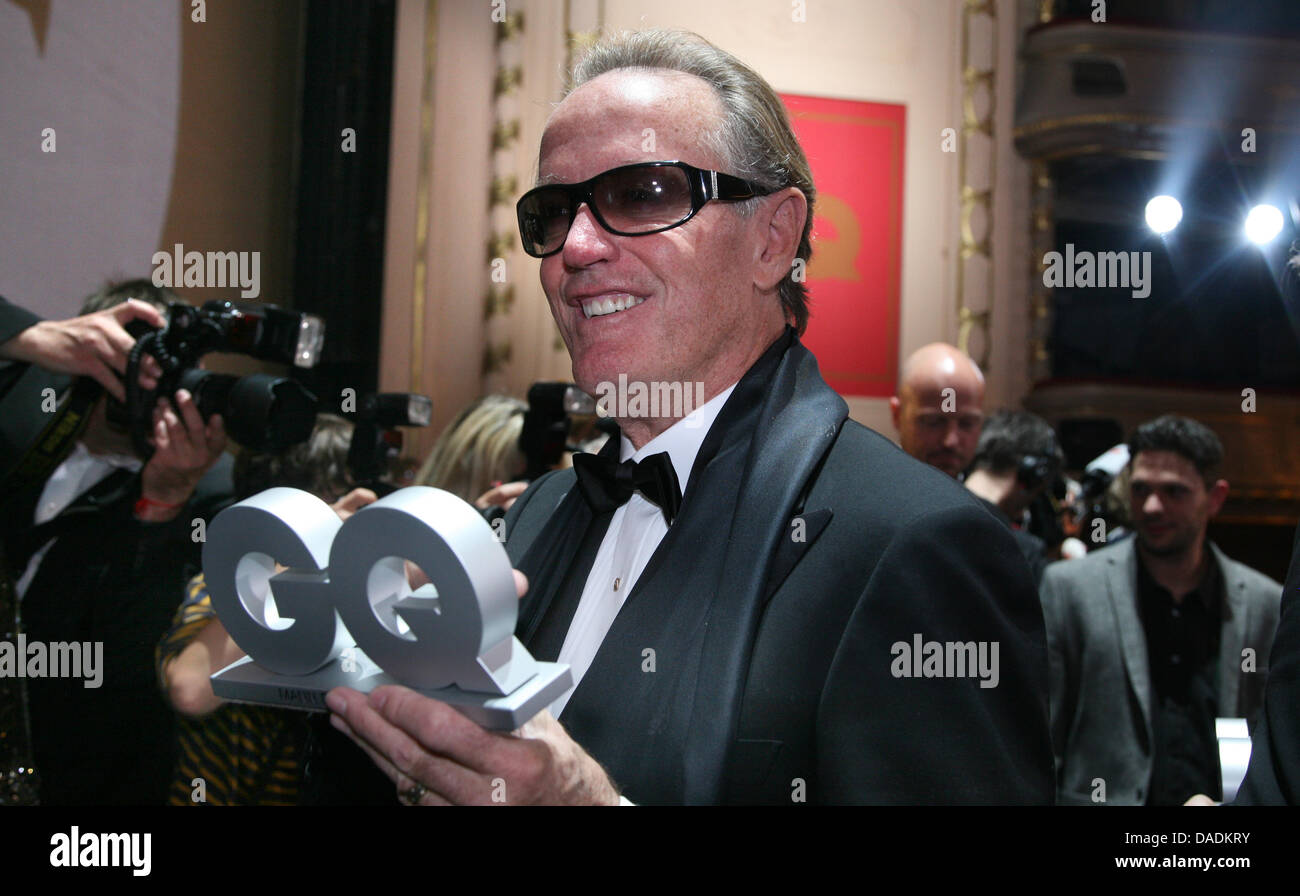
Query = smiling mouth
x=610 y=304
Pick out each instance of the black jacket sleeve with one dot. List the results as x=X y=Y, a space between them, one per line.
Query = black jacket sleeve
x=1273 y=778
x=13 y=320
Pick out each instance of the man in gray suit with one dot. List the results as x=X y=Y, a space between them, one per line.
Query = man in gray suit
x=1151 y=639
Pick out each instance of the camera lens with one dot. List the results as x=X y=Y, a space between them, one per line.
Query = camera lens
x=261 y=412
x=269 y=413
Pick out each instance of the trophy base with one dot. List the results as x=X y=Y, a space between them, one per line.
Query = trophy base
x=246 y=682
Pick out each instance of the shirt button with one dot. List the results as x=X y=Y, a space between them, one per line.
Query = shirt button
x=1175 y=659
x=1175 y=613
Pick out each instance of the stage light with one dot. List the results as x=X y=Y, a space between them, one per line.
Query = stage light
x=1164 y=213
x=1263 y=224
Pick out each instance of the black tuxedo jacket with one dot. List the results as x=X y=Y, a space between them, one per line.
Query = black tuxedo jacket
x=754 y=661
x=1273 y=778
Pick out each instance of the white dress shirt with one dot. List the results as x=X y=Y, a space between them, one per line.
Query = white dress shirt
x=79 y=473
x=630 y=541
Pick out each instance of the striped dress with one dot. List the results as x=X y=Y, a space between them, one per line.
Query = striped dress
x=240 y=755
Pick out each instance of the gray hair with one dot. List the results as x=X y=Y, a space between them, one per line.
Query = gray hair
x=754 y=139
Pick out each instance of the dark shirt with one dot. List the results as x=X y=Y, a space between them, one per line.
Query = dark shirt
x=1183 y=656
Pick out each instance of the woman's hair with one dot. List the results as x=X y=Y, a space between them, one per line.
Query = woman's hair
x=478 y=448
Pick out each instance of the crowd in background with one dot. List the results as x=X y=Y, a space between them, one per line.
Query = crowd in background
x=1133 y=708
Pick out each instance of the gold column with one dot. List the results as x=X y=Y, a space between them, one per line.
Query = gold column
x=500 y=296
x=421 y=274
x=974 y=315
x=1041 y=241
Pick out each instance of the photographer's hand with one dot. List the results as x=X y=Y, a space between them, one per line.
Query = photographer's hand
x=184 y=449
x=501 y=495
x=92 y=345
x=353 y=501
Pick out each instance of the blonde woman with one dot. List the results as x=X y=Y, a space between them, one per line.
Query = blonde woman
x=478 y=451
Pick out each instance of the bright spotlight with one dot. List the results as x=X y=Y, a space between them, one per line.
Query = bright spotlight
x=1163 y=214
x=1263 y=224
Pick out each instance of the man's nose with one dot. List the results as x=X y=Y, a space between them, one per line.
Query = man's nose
x=952 y=435
x=1152 y=506
x=586 y=241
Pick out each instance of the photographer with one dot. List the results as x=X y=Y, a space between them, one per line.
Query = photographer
x=98 y=540
x=1015 y=462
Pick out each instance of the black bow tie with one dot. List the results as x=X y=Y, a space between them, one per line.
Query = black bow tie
x=607 y=484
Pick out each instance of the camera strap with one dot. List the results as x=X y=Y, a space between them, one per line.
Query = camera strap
x=26 y=478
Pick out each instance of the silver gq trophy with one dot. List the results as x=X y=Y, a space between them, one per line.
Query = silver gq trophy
x=343 y=613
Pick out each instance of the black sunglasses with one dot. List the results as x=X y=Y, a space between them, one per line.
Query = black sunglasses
x=633 y=200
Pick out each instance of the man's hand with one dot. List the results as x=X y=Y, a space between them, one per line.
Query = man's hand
x=92 y=345
x=437 y=757
x=184 y=449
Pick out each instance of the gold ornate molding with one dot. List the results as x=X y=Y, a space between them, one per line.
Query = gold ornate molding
x=500 y=294
x=511 y=27
x=498 y=301
x=1041 y=241
x=576 y=40
x=500 y=244
x=504 y=188
x=972 y=245
x=507 y=81
x=496 y=357
x=421 y=272
x=504 y=134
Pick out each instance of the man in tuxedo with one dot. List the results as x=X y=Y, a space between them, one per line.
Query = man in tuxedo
x=817 y=617
x=1273 y=777
x=98 y=541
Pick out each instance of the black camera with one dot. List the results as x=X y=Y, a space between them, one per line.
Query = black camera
x=376 y=441
x=262 y=412
x=555 y=411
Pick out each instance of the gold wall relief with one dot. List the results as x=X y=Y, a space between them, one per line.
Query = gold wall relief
x=975 y=293
x=421 y=273
x=837 y=255
x=500 y=294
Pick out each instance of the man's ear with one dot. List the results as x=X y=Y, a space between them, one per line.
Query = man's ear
x=1218 y=494
x=895 y=406
x=781 y=217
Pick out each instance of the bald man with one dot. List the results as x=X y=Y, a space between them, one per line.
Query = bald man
x=939 y=408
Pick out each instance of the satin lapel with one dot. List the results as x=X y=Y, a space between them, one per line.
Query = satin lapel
x=798 y=421
x=547 y=559
x=1233 y=637
x=1121 y=585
